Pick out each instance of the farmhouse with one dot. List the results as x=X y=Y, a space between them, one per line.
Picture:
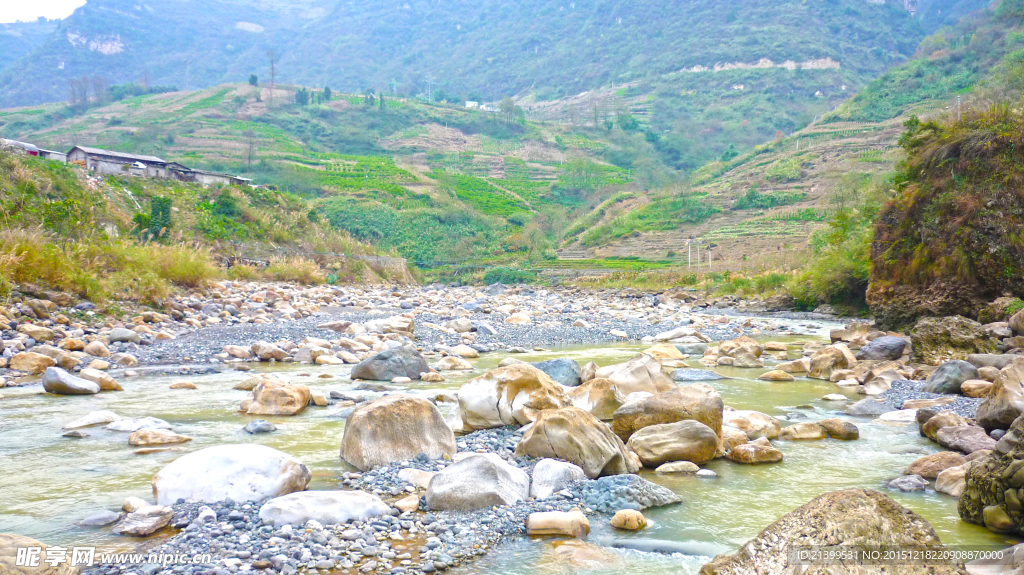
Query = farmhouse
x=111 y=162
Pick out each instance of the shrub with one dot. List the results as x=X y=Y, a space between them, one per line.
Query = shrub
x=509 y=276
x=296 y=269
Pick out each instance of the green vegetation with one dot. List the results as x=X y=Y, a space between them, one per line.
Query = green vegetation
x=58 y=232
x=754 y=199
x=950 y=62
x=664 y=213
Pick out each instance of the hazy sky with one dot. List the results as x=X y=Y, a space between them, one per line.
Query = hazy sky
x=14 y=10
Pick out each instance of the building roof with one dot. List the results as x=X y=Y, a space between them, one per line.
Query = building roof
x=122 y=155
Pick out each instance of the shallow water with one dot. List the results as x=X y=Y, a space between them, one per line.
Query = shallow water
x=49 y=482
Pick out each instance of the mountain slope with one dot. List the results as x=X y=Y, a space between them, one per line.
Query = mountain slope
x=20 y=38
x=487 y=49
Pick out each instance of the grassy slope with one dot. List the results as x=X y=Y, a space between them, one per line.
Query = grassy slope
x=88 y=236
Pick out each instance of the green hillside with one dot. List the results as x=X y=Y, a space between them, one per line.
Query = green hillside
x=18 y=39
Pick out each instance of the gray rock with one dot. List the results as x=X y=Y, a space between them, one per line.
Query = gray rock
x=144 y=521
x=485 y=328
x=692 y=348
x=120 y=334
x=564 y=371
x=402 y=361
x=615 y=492
x=56 y=380
x=480 y=481
x=686 y=374
x=998 y=361
x=869 y=408
x=909 y=483
x=100 y=519
x=949 y=377
x=886 y=348
x=259 y=426
x=75 y=434
x=552 y=475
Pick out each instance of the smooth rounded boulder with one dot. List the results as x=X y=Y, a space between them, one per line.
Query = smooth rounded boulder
x=1005 y=401
x=274 y=397
x=885 y=348
x=685 y=440
x=930 y=466
x=699 y=402
x=511 y=395
x=578 y=437
x=827 y=360
x=243 y=472
x=949 y=377
x=403 y=361
x=802 y=432
x=642 y=373
x=553 y=475
x=324 y=507
x=483 y=480
x=395 y=428
x=60 y=382
x=753 y=423
x=754 y=454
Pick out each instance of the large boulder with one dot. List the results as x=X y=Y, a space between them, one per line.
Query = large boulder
x=699 y=402
x=564 y=371
x=275 y=397
x=829 y=359
x=599 y=396
x=394 y=428
x=642 y=373
x=511 y=395
x=754 y=453
x=267 y=351
x=994 y=488
x=552 y=475
x=1016 y=323
x=30 y=362
x=403 y=361
x=964 y=438
x=685 y=440
x=949 y=377
x=10 y=546
x=885 y=348
x=243 y=472
x=744 y=351
x=930 y=466
x=578 y=437
x=936 y=339
x=753 y=423
x=1005 y=400
x=56 y=380
x=851 y=517
x=483 y=480
x=324 y=507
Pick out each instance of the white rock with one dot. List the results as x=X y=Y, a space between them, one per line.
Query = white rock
x=93 y=418
x=901 y=416
x=325 y=507
x=553 y=475
x=137 y=424
x=248 y=472
x=834 y=397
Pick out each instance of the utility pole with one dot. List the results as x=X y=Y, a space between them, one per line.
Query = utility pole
x=273 y=75
x=394 y=86
x=959 y=114
x=430 y=88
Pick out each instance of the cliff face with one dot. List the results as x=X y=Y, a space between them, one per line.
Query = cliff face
x=953 y=239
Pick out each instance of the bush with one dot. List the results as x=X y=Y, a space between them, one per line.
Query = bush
x=297 y=270
x=509 y=276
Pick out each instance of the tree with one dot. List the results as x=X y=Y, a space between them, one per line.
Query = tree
x=302 y=97
x=159 y=217
x=382 y=102
x=327 y=94
x=253 y=80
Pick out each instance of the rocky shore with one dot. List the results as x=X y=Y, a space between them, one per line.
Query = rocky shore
x=539 y=448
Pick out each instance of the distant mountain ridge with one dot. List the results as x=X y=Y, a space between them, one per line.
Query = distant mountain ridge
x=487 y=48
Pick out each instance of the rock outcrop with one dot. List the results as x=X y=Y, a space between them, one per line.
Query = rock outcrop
x=511 y=395
x=699 y=402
